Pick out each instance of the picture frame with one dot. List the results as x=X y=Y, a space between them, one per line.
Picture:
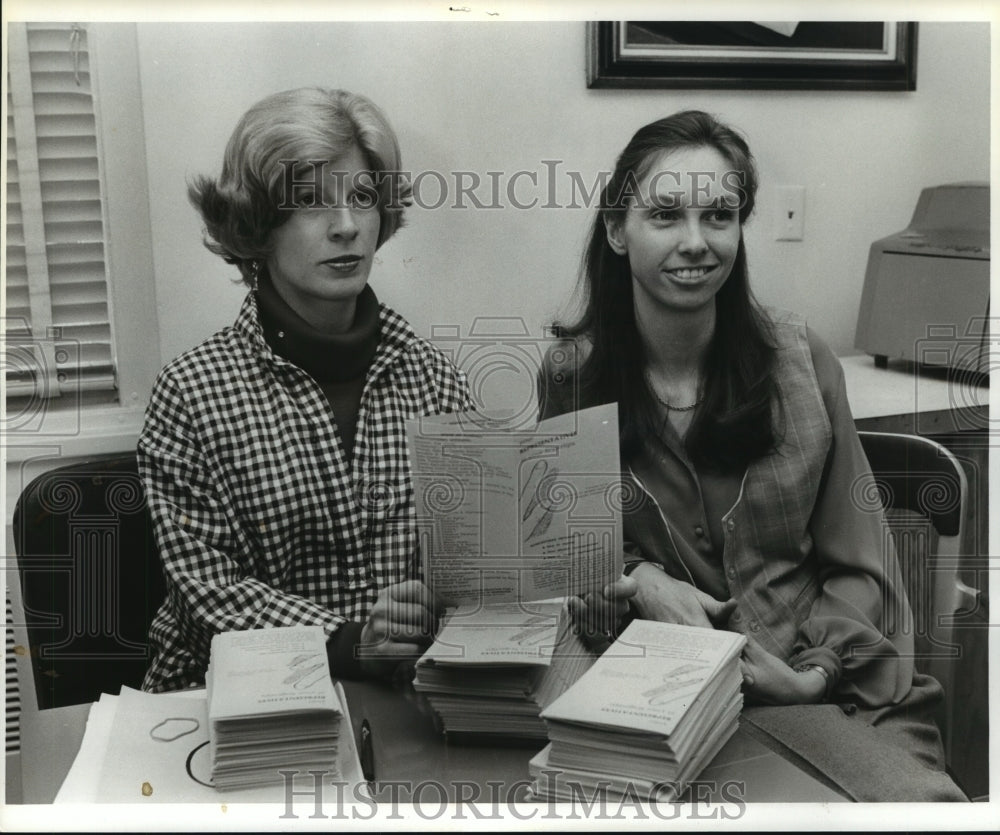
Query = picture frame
x=806 y=55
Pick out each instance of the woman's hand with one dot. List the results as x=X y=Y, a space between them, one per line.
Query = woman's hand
x=661 y=597
x=597 y=616
x=400 y=626
x=768 y=679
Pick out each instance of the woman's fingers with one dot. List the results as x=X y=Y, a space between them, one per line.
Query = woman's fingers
x=579 y=612
x=592 y=614
x=753 y=651
x=750 y=659
x=600 y=613
x=405 y=621
x=403 y=612
x=399 y=627
x=411 y=591
x=717 y=611
x=595 y=625
x=622 y=589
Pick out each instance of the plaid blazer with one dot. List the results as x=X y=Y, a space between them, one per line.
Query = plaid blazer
x=259 y=516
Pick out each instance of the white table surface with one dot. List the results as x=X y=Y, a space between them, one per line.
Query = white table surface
x=901 y=390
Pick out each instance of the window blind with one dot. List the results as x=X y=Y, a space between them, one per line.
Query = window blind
x=58 y=324
x=12 y=690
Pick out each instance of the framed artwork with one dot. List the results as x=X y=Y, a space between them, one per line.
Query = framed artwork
x=802 y=55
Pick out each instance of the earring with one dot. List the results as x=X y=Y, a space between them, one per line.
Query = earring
x=255 y=266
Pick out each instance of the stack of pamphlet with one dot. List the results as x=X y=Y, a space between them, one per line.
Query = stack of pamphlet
x=646 y=718
x=271 y=705
x=492 y=668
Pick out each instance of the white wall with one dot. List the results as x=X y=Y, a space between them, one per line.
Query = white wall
x=507 y=96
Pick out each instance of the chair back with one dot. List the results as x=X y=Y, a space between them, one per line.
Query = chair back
x=918 y=474
x=90 y=577
x=923 y=490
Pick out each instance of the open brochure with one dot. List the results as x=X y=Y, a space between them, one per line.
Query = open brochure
x=507 y=516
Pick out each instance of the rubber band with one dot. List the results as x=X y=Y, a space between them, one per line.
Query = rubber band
x=153 y=735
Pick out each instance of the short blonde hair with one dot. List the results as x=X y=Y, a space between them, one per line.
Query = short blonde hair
x=249 y=200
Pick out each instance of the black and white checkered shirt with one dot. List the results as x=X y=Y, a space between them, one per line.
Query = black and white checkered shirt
x=259 y=516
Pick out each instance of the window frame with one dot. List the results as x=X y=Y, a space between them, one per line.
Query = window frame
x=85 y=428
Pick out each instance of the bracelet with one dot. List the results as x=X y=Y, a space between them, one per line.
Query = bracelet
x=801 y=668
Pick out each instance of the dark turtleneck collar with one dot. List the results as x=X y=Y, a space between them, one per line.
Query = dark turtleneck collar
x=324 y=357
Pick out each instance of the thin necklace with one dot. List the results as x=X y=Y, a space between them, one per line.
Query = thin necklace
x=664 y=403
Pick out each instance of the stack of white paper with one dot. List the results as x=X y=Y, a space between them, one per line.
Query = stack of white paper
x=646 y=718
x=154 y=748
x=272 y=706
x=492 y=668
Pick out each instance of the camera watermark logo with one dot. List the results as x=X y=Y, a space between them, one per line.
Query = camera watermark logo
x=73 y=556
x=968 y=357
x=502 y=362
x=922 y=509
x=40 y=370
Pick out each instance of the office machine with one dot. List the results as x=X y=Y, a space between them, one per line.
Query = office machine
x=927 y=289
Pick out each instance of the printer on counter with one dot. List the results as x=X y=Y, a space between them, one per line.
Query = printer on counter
x=927 y=289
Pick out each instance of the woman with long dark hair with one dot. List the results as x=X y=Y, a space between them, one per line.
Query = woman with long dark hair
x=738 y=448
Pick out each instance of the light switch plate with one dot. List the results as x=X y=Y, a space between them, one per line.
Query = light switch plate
x=789 y=213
